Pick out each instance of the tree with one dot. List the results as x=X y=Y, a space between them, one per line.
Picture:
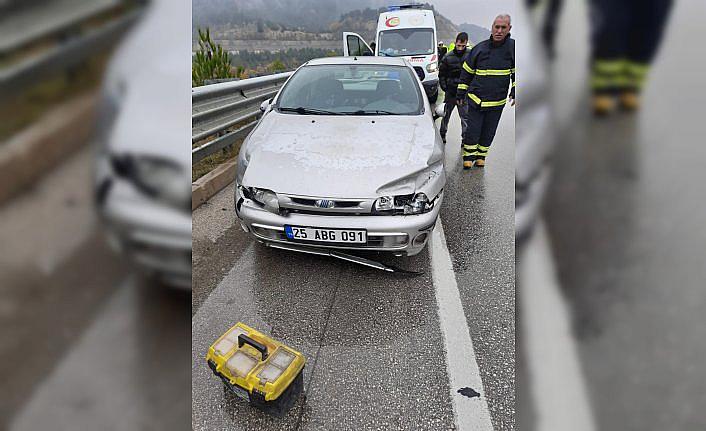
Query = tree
x=277 y=66
x=210 y=61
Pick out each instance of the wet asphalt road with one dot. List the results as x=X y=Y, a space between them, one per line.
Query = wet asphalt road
x=86 y=343
x=625 y=217
x=372 y=340
x=630 y=261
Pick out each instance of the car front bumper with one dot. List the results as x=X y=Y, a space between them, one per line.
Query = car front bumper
x=400 y=235
x=153 y=235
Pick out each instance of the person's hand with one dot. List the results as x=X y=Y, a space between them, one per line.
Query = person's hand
x=459 y=102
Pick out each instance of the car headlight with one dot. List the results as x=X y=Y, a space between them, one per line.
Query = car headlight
x=418 y=205
x=156 y=177
x=267 y=198
x=385 y=203
x=406 y=204
x=432 y=67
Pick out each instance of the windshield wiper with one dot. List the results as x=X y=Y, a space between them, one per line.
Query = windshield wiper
x=370 y=112
x=311 y=111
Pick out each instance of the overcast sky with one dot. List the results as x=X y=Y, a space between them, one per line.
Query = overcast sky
x=479 y=12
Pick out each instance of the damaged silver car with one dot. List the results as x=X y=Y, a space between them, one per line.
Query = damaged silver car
x=346 y=156
x=142 y=179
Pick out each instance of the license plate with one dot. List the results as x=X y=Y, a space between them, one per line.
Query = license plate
x=315 y=234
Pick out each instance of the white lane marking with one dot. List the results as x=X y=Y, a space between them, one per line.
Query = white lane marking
x=558 y=390
x=461 y=365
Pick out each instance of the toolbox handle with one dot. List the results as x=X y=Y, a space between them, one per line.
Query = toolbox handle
x=244 y=339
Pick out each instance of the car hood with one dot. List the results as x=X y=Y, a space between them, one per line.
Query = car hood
x=339 y=156
x=153 y=115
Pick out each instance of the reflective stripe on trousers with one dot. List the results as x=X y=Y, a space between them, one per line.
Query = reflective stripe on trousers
x=618 y=75
x=480 y=132
x=485 y=103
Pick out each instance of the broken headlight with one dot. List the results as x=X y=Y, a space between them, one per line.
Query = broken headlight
x=418 y=205
x=266 y=198
x=157 y=177
x=385 y=203
x=404 y=205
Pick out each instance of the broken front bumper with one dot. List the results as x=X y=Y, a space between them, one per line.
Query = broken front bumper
x=154 y=236
x=398 y=234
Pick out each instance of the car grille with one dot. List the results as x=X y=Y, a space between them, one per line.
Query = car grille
x=337 y=204
x=323 y=206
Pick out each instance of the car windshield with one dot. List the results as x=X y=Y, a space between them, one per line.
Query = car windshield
x=407 y=41
x=345 y=89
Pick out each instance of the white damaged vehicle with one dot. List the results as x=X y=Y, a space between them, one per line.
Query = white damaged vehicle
x=346 y=157
x=142 y=171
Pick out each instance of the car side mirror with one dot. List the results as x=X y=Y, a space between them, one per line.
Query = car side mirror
x=265 y=105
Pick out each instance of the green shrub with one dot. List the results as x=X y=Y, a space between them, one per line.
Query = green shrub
x=210 y=61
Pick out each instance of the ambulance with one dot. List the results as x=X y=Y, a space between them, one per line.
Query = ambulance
x=407 y=31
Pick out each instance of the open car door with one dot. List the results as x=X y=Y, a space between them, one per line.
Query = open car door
x=354 y=45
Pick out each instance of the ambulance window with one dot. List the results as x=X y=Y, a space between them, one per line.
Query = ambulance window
x=406 y=42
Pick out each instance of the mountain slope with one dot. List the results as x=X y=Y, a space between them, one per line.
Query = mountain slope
x=476 y=33
x=310 y=15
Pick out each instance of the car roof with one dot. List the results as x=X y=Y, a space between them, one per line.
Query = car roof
x=369 y=59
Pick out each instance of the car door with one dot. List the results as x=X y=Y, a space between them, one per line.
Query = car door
x=354 y=45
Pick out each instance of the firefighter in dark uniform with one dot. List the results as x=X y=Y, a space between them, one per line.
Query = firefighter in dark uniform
x=449 y=74
x=625 y=35
x=488 y=72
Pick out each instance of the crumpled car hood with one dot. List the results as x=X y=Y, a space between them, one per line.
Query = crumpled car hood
x=154 y=117
x=337 y=156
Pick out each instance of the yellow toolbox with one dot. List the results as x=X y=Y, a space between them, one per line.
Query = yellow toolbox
x=257 y=368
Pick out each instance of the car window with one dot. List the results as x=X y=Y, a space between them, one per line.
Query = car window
x=352 y=90
x=406 y=41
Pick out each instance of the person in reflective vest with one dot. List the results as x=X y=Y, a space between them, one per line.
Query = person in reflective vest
x=441 y=50
x=449 y=73
x=488 y=72
x=625 y=36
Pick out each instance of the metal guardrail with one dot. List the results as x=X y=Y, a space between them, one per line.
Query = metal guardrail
x=228 y=111
x=67 y=49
